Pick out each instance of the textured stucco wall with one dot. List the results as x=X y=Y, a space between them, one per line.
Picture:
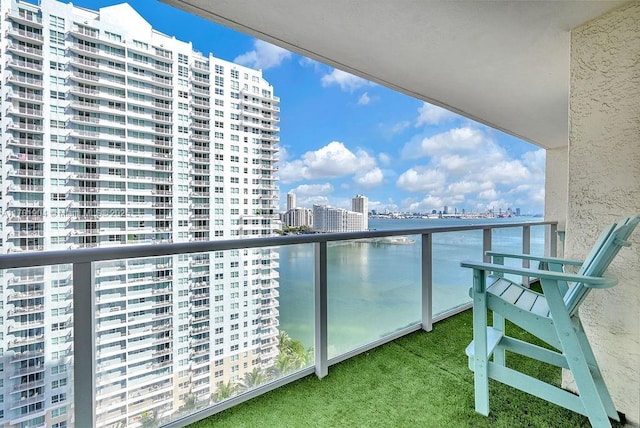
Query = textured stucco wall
x=555 y=197
x=604 y=185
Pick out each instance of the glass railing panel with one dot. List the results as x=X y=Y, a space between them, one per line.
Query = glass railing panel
x=509 y=240
x=451 y=282
x=297 y=304
x=537 y=240
x=36 y=351
x=176 y=334
x=373 y=290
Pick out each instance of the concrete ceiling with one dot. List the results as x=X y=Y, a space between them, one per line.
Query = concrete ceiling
x=502 y=63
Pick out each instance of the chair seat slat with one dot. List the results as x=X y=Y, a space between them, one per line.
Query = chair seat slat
x=512 y=294
x=540 y=307
x=499 y=286
x=526 y=300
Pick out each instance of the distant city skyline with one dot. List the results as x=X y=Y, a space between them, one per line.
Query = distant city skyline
x=342 y=135
x=292 y=205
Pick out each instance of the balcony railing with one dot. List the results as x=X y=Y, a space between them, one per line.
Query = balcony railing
x=429 y=302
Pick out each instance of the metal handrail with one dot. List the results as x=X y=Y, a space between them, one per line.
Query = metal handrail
x=46 y=258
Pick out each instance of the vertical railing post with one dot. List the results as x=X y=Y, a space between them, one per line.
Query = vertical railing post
x=552 y=241
x=320 y=281
x=84 y=349
x=427 y=281
x=486 y=244
x=526 y=249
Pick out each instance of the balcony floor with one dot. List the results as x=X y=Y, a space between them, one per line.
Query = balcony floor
x=419 y=380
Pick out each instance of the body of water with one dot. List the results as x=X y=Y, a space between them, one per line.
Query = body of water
x=374 y=289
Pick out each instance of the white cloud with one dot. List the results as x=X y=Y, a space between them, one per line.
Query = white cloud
x=535 y=161
x=347 y=82
x=428 y=114
x=400 y=126
x=364 y=99
x=505 y=172
x=264 y=55
x=467 y=166
x=454 y=140
x=425 y=205
x=310 y=201
x=488 y=194
x=308 y=62
x=312 y=189
x=331 y=161
x=467 y=186
x=384 y=158
x=420 y=179
x=370 y=178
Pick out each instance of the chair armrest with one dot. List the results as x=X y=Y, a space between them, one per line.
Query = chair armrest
x=588 y=281
x=534 y=258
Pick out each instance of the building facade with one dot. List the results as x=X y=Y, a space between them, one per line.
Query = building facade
x=360 y=204
x=298 y=217
x=327 y=219
x=116 y=134
x=291 y=201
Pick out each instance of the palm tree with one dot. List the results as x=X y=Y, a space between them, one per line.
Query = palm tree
x=253 y=378
x=190 y=402
x=224 y=391
x=283 y=365
x=292 y=355
x=283 y=339
x=149 y=420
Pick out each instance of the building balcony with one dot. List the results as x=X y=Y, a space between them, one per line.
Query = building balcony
x=25 y=126
x=83 y=32
x=21 y=95
x=22 y=16
x=83 y=63
x=32 y=67
x=116 y=326
x=200 y=102
x=24 y=50
x=84 y=49
x=25 y=35
x=25 y=188
x=25 y=112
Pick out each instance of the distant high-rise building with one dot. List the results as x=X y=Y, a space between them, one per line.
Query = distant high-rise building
x=112 y=134
x=291 y=201
x=298 y=217
x=360 y=204
x=334 y=220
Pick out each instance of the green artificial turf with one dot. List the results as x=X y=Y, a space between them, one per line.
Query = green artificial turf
x=420 y=380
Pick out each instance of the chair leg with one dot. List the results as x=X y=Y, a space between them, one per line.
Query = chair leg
x=590 y=358
x=499 y=353
x=576 y=354
x=584 y=379
x=481 y=365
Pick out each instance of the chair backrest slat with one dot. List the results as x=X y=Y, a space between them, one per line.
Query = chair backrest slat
x=600 y=257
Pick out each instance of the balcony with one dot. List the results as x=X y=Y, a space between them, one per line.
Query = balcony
x=428 y=301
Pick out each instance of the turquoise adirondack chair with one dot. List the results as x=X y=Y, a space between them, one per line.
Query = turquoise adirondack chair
x=552 y=316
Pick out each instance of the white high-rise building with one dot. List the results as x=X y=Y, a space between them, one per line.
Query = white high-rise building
x=291 y=201
x=298 y=217
x=115 y=134
x=334 y=220
x=360 y=204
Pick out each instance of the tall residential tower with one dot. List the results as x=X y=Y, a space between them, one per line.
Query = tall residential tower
x=360 y=204
x=115 y=134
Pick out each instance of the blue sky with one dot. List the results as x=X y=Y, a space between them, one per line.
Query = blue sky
x=342 y=135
